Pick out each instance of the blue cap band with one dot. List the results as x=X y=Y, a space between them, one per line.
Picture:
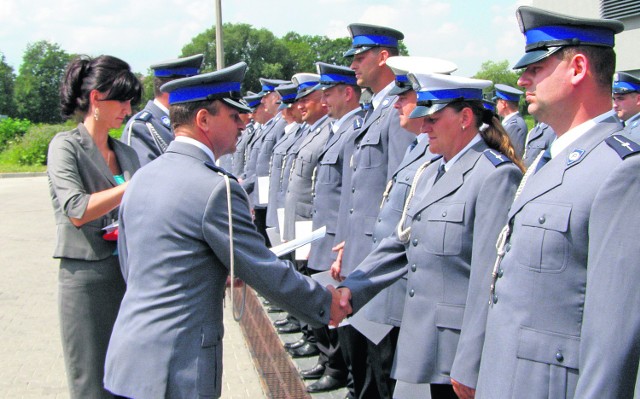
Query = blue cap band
x=507 y=96
x=175 y=71
x=288 y=97
x=306 y=85
x=253 y=103
x=590 y=35
x=331 y=78
x=625 y=86
x=194 y=93
x=451 y=94
x=268 y=88
x=374 y=40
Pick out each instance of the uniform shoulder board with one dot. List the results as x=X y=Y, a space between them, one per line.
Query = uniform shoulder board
x=218 y=169
x=497 y=158
x=144 y=116
x=357 y=123
x=622 y=145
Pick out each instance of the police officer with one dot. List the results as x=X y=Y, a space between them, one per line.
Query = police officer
x=626 y=102
x=507 y=100
x=539 y=139
x=149 y=131
x=562 y=321
x=240 y=155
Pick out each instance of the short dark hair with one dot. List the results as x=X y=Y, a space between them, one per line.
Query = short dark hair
x=158 y=82
x=603 y=60
x=184 y=113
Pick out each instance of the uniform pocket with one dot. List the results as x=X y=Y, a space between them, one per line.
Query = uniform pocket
x=210 y=363
x=446 y=228
x=545 y=246
x=449 y=322
x=329 y=173
x=372 y=154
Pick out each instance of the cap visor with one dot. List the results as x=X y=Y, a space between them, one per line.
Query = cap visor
x=243 y=108
x=422 y=111
x=395 y=90
x=283 y=106
x=356 y=50
x=534 y=56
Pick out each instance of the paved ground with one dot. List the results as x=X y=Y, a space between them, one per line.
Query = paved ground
x=32 y=364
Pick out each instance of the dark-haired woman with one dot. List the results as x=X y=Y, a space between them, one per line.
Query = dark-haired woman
x=88 y=174
x=445 y=241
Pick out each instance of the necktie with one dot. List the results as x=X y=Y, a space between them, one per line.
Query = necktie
x=411 y=146
x=440 y=172
x=546 y=157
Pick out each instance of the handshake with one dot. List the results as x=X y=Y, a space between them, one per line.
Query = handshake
x=340 y=304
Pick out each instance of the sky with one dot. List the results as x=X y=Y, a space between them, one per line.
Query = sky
x=467 y=32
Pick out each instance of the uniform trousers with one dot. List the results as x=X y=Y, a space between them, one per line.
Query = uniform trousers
x=380 y=360
x=354 y=349
x=89 y=298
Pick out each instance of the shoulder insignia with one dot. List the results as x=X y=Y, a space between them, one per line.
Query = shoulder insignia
x=144 y=116
x=219 y=170
x=386 y=102
x=622 y=145
x=166 y=121
x=496 y=157
x=574 y=156
x=357 y=123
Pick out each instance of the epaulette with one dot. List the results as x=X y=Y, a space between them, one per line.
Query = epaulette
x=220 y=170
x=144 y=116
x=496 y=157
x=622 y=145
x=358 y=122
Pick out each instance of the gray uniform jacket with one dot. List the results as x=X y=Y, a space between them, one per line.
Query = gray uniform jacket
x=174 y=254
x=240 y=155
x=517 y=129
x=287 y=164
x=327 y=193
x=632 y=127
x=372 y=154
x=446 y=268
x=277 y=174
x=76 y=169
x=298 y=199
x=148 y=132
x=251 y=159
x=565 y=323
x=264 y=146
x=538 y=140
x=387 y=306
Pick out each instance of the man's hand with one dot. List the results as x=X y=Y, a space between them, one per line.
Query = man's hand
x=463 y=391
x=340 y=305
x=336 y=266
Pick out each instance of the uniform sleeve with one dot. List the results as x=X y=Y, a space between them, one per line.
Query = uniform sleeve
x=139 y=138
x=492 y=207
x=610 y=337
x=64 y=178
x=277 y=280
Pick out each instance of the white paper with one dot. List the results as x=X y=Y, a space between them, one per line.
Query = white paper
x=303 y=228
x=263 y=190
x=280 y=213
x=274 y=236
x=292 y=245
x=111 y=227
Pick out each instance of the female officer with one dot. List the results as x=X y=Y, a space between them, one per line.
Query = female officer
x=445 y=241
x=88 y=173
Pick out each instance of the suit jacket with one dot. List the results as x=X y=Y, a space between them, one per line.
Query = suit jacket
x=327 y=192
x=298 y=200
x=147 y=144
x=278 y=177
x=174 y=254
x=264 y=148
x=538 y=140
x=445 y=265
x=517 y=129
x=387 y=306
x=76 y=169
x=372 y=154
x=565 y=322
x=240 y=155
x=632 y=127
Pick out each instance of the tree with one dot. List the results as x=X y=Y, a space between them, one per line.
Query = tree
x=7 y=81
x=38 y=83
x=499 y=72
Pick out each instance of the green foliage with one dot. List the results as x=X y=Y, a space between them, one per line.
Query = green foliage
x=11 y=130
x=32 y=148
x=38 y=83
x=7 y=81
x=500 y=72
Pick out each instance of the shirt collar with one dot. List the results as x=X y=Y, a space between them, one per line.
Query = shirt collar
x=378 y=97
x=574 y=134
x=161 y=106
x=339 y=122
x=189 y=140
x=506 y=118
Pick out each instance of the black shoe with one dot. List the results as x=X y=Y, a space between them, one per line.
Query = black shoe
x=326 y=383
x=274 y=309
x=295 y=344
x=289 y=328
x=313 y=373
x=305 y=350
x=281 y=322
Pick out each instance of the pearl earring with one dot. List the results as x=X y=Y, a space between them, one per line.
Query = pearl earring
x=96 y=114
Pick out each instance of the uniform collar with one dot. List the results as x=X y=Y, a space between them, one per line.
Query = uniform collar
x=575 y=133
x=189 y=140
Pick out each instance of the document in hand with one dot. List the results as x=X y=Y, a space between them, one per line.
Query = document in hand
x=292 y=245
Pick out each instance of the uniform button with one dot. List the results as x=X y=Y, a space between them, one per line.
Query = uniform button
x=351 y=210
x=541 y=220
x=412 y=293
x=358 y=146
x=379 y=220
x=321 y=312
x=500 y=273
x=353 y=189
x=507 y=247
x=444 y=214
x=418 y=217
x=559 y=357
x=413 y=267
x=415 y=242
x=315 y=212
x=394 y=179
x=406 y=178
x=375 y=240
x=495 y=298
